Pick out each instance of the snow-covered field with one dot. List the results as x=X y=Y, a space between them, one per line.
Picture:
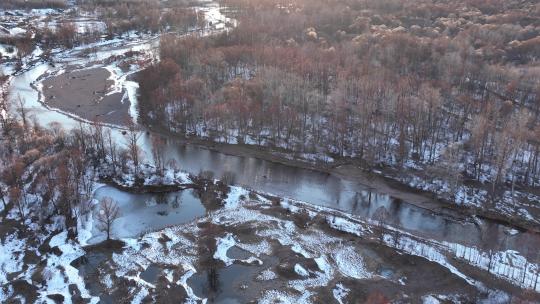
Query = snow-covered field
x=317 y=257
x=282 y=252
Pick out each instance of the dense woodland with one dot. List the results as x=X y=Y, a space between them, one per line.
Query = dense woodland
x=448 y=86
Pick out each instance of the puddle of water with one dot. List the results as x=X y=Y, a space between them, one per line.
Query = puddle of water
x=151 y=274
x=140 y=213
x=88 y=267
x=233 y=284
x=238 y=253
x=223 y=285
x=386 y=272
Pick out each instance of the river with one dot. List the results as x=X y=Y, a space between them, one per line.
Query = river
x=311 y=186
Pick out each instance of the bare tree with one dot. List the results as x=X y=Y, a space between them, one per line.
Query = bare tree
x=380 y=215
x=158 y=152
x=23 y=111
x=448 y=167
x=84 y=209
x=108 y=212
x=6 y=121
x=133 y=136
x=2 y=197
x=66 y=34
x=113 y=150
x=16 y=196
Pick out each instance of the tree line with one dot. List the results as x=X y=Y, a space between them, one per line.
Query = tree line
x=386 y=82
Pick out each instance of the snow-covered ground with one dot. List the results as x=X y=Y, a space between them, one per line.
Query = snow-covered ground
x=324 y=255
x=324 y=258
x=54 y=275
x=302 y=246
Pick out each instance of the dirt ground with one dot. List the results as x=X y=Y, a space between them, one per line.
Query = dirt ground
x=395 y=276
x=85 y=94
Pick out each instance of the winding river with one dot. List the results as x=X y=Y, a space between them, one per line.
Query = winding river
x=311 y=186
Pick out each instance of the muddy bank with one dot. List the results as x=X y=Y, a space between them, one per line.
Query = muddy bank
x=87 y=94
x=256 y=250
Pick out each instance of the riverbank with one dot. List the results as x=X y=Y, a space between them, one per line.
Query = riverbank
x=349 y=169
x=270 y=248
x=385 y=180
x=295 y=247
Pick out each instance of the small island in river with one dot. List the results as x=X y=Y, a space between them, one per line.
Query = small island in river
x=88 y=94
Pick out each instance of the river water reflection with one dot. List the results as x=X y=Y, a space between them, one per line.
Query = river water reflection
x=301 y=184
x=328 y=190
x=140 y=213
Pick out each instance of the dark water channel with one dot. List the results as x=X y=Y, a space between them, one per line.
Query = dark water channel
x=328 y=190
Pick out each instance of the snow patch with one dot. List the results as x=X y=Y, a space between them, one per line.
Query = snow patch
x=266 y=275
x=223 y=245
x=345 y=225
x=340 y=292
x=350 y=263
x=277 y=296
x=235 y=197
x=301 y=271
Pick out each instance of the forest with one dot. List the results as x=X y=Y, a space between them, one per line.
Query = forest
x=451 y=87
x=30 y=4
x=304 y=151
